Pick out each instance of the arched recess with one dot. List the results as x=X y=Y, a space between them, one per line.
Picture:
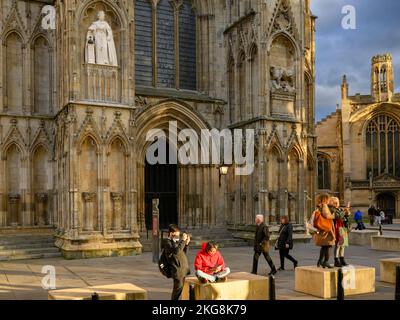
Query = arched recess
x=231 y=89
x=274 y=181
x=13 y=164
x=13 y=62
x=88 y=165
x=41 y=184
x=241 y=71
x=293 y=183
x=195 y=182
x=42 y=75
x=255 y=81
x=103 y=82
x=118 y=175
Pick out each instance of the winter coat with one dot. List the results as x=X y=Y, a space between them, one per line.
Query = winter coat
x=341 y=227
x=326 y=238
x=285 y=236
x=206 y=262
x=176 y=253
x=261 y=238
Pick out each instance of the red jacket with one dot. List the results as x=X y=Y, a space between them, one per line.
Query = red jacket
x=205 y=262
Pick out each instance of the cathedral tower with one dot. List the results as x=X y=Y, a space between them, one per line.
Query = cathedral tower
x=382 y=86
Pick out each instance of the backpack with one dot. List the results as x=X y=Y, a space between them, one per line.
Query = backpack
x=164 y=265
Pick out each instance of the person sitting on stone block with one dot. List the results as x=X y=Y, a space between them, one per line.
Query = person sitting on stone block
x=209 y=264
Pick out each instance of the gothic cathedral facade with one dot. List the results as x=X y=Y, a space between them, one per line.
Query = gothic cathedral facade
x=359 y=146
x=77 y=100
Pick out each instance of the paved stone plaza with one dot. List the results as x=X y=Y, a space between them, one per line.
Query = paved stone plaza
x=22 y=279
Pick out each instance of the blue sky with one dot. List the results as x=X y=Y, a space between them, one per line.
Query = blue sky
x=340 y=51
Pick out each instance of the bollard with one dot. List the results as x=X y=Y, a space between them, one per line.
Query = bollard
x=340 y=289
x=95 y=296
x=272 y=291
x=397 y=292
x=192 y=295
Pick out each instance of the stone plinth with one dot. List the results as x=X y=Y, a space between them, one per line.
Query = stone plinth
x=322 y=283
x=95 y=246
x=388 y=269
x=362 y=237
x=121 y=291
x=238 y=286
x=385 y=243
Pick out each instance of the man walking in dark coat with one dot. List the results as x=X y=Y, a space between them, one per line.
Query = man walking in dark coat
x=175 y=249
x=261 y=245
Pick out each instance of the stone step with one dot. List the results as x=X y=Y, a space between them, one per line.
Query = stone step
x=32 y=251
x=40 y=255
x=27 y=245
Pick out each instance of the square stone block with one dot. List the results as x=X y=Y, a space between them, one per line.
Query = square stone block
x=322 y=283
x=121 y=291
x=238 y=286
x=385 y=243
x=362 y=237
x=388 y=269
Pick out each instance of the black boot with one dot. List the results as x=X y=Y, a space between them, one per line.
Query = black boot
x=343 y=262
x=337 y=263
x=319 y=263
x=326 y=264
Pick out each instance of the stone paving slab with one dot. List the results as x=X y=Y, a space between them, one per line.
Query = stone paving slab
x=22 y=279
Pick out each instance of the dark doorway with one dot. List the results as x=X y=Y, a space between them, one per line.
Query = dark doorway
x=161 y=182
x=387 y=203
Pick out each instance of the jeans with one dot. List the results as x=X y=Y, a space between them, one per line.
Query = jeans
x=266 y=256
x=284 y=253
x=212 y=277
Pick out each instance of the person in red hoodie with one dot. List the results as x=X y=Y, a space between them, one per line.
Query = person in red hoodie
x=209 y=264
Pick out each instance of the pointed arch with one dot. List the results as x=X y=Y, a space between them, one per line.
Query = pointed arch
x=13 y=76
x=42 y=63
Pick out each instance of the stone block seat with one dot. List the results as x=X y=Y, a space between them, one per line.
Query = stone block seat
x=120 y=291
x=362 y=237
x=388 y=269
x=322 y=283
x=238 y=286
x=385 y=243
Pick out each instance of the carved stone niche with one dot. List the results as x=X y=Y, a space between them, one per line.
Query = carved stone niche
x=100 y=44
x=282 y=76
x=13 y=209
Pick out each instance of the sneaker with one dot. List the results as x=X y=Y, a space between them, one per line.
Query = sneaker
x=295 y=264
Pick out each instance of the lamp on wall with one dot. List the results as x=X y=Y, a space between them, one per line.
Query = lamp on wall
x=223 y=171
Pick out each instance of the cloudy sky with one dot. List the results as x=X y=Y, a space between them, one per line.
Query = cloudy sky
x=349 y=52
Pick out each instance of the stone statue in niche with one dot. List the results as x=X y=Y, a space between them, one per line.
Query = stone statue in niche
x=282 y=79
x=100 y=46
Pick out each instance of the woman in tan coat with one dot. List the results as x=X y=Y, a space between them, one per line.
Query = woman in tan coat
x=324 y=238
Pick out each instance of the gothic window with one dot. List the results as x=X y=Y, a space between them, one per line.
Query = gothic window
x=165 y=44
x=242 y=85
x=187 y=47
x=254 y=66
x=383 y=152
x=143 y=43
x=324 y=172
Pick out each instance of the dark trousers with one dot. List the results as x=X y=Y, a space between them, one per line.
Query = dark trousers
x=266 y=256
x=324 y=253
x=178 y=287
x=284 y=253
